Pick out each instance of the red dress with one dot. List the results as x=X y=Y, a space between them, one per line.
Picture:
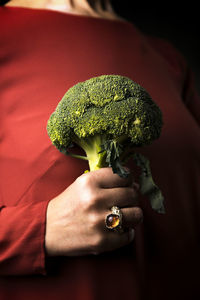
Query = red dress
x=43 y=53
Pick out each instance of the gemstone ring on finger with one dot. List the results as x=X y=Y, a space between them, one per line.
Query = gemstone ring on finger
x=114 y=220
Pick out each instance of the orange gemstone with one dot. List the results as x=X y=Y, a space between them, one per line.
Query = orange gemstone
x=112 y=221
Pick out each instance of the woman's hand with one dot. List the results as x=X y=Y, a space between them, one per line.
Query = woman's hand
x=76 y=218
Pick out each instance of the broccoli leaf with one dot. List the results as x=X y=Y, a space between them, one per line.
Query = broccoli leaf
x=147 y=185
x=113 y=151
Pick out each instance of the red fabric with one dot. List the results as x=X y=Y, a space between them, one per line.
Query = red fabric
x=43 y=53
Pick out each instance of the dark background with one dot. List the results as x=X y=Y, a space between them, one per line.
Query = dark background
x=179 y=24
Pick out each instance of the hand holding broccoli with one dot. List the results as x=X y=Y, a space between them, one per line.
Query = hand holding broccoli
x=76 y=218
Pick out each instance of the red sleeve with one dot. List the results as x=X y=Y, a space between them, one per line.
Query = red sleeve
x=22 y=231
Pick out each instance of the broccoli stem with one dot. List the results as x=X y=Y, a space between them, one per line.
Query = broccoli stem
x=92 y=147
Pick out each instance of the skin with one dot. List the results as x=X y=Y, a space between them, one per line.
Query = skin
x=95 y=8
x=75 y=220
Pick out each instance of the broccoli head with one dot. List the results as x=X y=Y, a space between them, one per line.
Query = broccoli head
x=106 y=116
x=101 y=109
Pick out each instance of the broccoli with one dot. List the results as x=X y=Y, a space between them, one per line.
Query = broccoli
x=107 y=116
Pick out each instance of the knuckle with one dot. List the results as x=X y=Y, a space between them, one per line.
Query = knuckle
x=84 y=180
x=95 y=221
x=88 y=194
x=88 y=198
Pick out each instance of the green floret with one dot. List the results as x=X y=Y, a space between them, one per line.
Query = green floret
x=106 y=116
x=111 y=105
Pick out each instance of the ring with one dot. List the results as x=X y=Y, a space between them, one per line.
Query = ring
x=114 y=220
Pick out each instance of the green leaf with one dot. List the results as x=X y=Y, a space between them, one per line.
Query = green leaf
x=147 y=184
x=113 y=151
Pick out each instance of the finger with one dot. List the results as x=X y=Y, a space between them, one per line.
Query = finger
x=131 y=217
x=105 y=178
x=116 y=240
x=122 y=197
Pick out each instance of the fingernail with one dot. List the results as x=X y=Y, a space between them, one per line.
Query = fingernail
x=131 y=234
